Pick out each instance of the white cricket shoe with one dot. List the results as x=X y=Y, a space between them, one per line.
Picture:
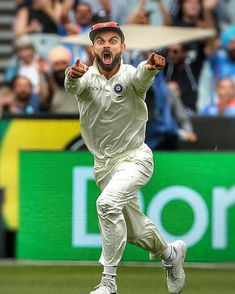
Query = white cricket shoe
x=105 y=287
x=175 y=276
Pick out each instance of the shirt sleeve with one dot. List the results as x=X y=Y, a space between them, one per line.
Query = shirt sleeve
x=143 y=78
x=74 y=86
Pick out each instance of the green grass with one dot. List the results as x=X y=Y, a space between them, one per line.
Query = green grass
x=131 y=280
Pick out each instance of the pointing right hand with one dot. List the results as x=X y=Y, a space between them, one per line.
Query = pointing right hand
x=78 y=69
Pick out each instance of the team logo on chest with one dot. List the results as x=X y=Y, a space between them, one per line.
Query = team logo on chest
x=118 y=88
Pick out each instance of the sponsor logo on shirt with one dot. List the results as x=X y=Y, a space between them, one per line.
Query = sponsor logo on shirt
x=93 y=88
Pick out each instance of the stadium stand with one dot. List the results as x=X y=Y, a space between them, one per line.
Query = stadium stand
x=7 y=14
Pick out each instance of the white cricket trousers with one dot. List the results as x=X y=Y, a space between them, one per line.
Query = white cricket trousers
x=120 y=218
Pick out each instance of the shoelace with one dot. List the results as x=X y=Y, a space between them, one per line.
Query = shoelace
x=170 y=272
x=97 y=286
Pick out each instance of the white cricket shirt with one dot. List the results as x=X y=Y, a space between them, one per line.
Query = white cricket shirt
x=113 y=113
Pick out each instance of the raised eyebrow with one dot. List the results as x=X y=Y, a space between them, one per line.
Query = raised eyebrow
x=99 y=38
x=114 y=37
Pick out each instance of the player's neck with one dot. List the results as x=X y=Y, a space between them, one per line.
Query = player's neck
x=109 y=74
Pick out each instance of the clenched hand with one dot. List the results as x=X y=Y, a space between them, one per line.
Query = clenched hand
x=155 y=61
x=78 y=69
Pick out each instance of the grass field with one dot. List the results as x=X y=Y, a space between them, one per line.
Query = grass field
x=66 y=279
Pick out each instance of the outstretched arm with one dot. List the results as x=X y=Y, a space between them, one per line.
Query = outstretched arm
x=146 y=71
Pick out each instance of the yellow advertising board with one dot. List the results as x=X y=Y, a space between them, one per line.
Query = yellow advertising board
x=28 y=134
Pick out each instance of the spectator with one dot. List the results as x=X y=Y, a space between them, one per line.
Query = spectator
x=83 y=22
x=225 y=90
x=185 y=128
x=25 y=63
x=222 y=60
x=43 y=16
x=101 y=10
x=60 y=101
x=25 y=101
x=6 y=98
x=83 y=19
x=185 y=71
x=167 y=122
x=196 y=14
x=225 y=13
x=191 y=13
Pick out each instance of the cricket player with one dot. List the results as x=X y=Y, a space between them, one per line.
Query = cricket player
x=113 y=114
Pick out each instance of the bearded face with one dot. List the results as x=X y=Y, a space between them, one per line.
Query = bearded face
x=59 y=76
x=22 y=88
x=108 y=50
x=107 y=61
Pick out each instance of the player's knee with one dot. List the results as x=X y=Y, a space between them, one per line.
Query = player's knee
x=147 y=232
x=105 y=206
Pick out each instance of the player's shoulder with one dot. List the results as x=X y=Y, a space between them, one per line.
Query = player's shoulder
x=128 y=68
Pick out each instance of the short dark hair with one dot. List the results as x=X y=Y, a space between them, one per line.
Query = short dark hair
x=224 y=78
x=14 y=80
x=76 y=4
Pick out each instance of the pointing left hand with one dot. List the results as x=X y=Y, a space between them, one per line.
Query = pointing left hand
x=155 y=61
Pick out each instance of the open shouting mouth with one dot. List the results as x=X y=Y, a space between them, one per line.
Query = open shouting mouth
x=107 y=57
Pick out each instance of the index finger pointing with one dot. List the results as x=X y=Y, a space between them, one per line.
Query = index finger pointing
x=77 y=63
x=151 y=57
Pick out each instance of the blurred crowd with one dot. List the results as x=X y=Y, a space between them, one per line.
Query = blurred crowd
x=198 y=79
